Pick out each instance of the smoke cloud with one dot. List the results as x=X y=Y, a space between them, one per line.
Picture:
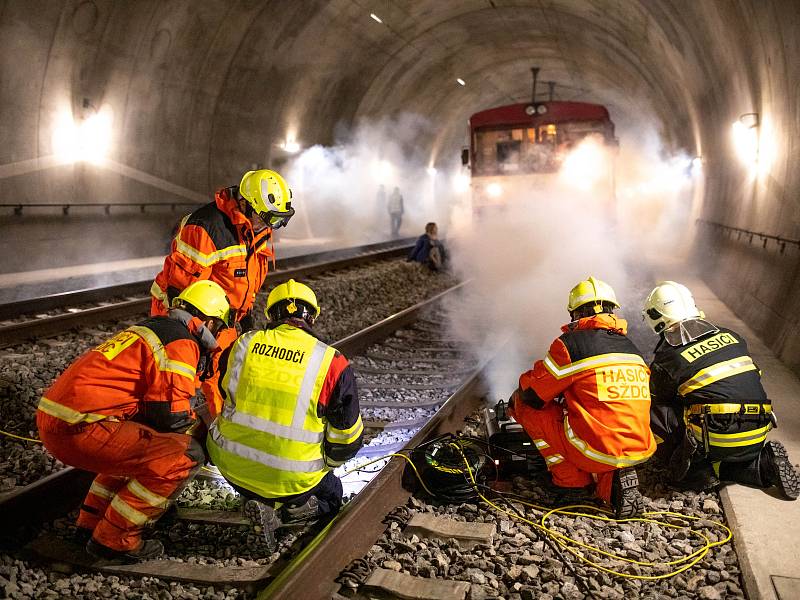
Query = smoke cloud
x=525 y=257
x=338 y=186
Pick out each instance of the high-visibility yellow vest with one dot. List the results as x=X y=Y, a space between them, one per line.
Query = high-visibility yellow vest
x=268 y=437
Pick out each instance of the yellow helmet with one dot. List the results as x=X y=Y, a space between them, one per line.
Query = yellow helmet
x=294 y=291
x=207 y=298
x=269 y=196
x=669 y=303
x=593 y=291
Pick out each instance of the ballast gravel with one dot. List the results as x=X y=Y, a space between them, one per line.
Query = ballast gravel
x=350 y=301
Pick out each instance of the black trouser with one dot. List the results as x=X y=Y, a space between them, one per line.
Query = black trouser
x=328 y=491
x=739 y=464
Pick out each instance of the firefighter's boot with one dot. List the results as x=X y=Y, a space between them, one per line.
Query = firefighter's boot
x=626 y=501
x=302 y=513
x=147 y=549
x=265 y=520
x=776 y=469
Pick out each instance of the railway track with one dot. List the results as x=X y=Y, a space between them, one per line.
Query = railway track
x=459 y=395
x=59 y=313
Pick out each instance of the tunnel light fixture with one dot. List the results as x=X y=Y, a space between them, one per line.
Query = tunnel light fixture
x=461 y=81
x=290 y=146
x=375 y=17
x=431 y=171
x=744 y=132
x=84 y=139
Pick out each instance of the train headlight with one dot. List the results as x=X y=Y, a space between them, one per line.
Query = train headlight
x=586 y=165
x=494 y=190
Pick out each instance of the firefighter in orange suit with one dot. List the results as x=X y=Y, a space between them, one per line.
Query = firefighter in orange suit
x=227 y=241
x=601 y=427
x=123 y=410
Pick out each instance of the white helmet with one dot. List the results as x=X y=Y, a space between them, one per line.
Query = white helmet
x=669 y=303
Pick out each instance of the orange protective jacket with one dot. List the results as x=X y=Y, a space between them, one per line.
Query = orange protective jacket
x=148 y=371
x=605 y=385
x=216 y=242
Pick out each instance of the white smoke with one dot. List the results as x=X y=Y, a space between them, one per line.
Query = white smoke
x=337 y=187
x=523 y=259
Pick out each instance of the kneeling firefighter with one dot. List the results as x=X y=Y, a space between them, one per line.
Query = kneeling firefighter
x=710 y=412
x=601 y=428
x=123 y=410
x=290 y=416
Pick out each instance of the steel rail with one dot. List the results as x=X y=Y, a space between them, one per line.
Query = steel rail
x=16 y=333
x=352 y=533
x=59 y=492
x=12 y=310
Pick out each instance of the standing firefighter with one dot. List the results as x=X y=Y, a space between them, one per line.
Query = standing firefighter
x=122 y=410
x=710 y=411
x=601 y=428
x=290 y=416
x=228 y=242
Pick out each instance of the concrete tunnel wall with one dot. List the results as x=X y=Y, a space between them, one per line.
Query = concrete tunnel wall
x=202 y=90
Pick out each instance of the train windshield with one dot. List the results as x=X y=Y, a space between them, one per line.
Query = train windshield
x=537 y=149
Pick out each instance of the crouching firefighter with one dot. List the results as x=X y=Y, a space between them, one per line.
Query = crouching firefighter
x=710 y=412
x=123 y=410
x=290 y=416
x=601 y=429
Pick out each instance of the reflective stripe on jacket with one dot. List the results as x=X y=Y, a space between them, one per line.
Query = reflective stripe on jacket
x=216 y=242
x=269 y=437
x=605 y=383
x=148 y=368
x=715 y=370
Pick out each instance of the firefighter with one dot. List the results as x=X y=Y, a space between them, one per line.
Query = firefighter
x=122 y=410
x=227 y=241
x=586 y=405
x=290 y=416
x=710 y=412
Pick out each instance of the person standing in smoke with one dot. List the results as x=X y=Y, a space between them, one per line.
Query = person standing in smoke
x=395 y=207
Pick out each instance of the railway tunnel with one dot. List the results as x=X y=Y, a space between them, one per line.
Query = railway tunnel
x=119 y=117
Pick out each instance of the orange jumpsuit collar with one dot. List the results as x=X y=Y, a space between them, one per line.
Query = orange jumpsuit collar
x=601 y=321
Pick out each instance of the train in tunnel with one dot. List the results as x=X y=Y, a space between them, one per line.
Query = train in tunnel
x=524 y=147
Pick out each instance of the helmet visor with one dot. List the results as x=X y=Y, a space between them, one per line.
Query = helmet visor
x=276 y=219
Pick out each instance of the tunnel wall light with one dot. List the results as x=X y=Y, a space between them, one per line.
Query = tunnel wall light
x=84 y=139
x=461 y=81
x=431 y=171
x=375 y=17
x=744 y=132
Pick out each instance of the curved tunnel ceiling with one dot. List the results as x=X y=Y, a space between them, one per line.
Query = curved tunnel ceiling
x=201 y=90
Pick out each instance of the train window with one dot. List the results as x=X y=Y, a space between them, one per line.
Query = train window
x=547 y=134
x=508 y=154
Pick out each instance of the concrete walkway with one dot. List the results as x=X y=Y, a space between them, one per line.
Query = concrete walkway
x=32 y=284
x=766 y=527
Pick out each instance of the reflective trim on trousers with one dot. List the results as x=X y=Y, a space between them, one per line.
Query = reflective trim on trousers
x=270 y=460
x=141 y=492
x=101 y=491
x=541 y=444
x=129 y=513
x=554 y=459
